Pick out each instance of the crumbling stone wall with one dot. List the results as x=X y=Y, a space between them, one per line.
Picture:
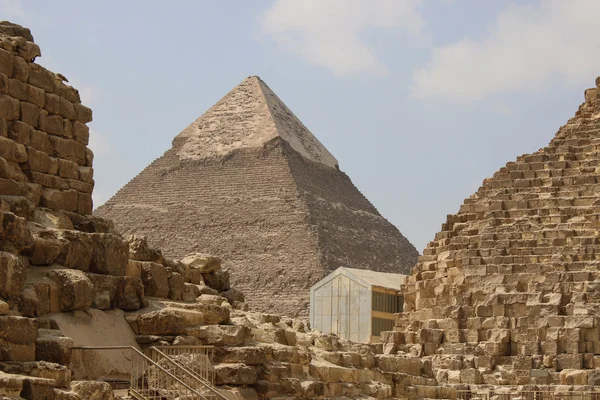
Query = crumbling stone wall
x=511 y=282
x=43 y=132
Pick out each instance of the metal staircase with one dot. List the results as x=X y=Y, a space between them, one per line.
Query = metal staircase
x=184 y=373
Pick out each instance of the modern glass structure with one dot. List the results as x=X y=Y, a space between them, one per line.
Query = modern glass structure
x=356 y=304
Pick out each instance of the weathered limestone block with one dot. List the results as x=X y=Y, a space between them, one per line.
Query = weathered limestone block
x=93 y=390
x=10 y=108
x=14 y=233
x=105 y=290
x=176 y=286
x=139 y=250
x=203 y=263
x=53 y=347
x=398 y=363
x=235 y=374
x=130 y=294
x=250 y=355
x=312 y=389
x=12 y=151
x=213 y=314
x=55 y=199
x=76 y=289
x=110 y=254
x=218 y=280
x=218 y=335
x=168 y=321
x=232 y=295
x=11 y=170
x=13 y=273
x=17 y=338
x=156 y=279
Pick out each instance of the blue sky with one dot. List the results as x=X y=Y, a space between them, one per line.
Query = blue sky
x=418 y=100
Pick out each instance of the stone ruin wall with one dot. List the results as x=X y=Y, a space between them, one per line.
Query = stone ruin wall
x=511 y=282
x=43 y=133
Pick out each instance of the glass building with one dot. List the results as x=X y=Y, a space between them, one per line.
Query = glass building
x=356 y=304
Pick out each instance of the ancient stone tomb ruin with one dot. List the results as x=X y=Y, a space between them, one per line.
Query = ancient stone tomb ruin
x=510 y=284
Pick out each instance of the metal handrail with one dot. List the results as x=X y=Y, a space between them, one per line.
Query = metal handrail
x=197 y=377
x=149 y=360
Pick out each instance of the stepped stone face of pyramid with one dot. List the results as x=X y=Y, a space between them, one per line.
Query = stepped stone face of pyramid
x=247 y=181
x=512 y=281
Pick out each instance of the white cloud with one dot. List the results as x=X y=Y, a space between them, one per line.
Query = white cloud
x=12 y=8
x=99 y=144
x=526 y=49
x=328 y=33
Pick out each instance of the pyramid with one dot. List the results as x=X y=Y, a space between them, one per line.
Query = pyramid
x=247 y=181
x=512 y=281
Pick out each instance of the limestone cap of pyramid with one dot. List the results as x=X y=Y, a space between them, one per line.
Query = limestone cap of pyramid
x=249 y=116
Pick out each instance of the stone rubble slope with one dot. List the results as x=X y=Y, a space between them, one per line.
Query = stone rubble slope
x=510 y=284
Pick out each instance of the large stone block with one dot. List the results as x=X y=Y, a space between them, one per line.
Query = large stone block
x=168 y=321
x=235 y=374
x=110 y=254
x=156 y=279
x=59 y=199
x=12 y=151
x=130 y=294
x=13 y=273
x=218 y=335
x=10 y=108
x=15 y=235
x=53 y=347
x=76 y=291
x=246 y=355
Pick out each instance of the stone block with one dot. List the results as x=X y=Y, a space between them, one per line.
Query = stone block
x=6 y=62
x=12 y=151
x=39 y=141
x=52 y=103
x=168 y=321
x=67 y=148
x=569 y=361
x=85 y=204
x=66 y=200
x=84 y=114
x=235 y=374
x=95 y=390
x=130 y=294
x=76 y=291
x=13 y=273
x=51 y=123
x=20 y=69
x=53 y=347
x=30 y=114
x=86 y=174
x=219 y=335
x=81 y=133
x=176 y=286
x=36 y=96
x=66 y=109
x=17 y=89
x=11 y=170
x=156 y=279
x=250 y=355
x=10 y=108
x=68 y=169
x=110 y=254
x=39 y=161
x=41 y=78
x=20 y=132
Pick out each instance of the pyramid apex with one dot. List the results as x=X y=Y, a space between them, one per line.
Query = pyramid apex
x=249 y=116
